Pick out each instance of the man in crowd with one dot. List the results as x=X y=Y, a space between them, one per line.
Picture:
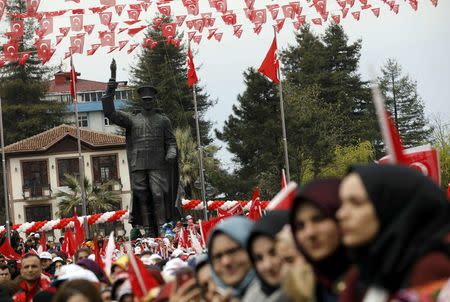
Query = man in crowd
x=46 y=262
x=5 y=274
x=32 y=279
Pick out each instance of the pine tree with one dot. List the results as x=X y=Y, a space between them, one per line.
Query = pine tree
x=23 y=87
x=405 y=104
x=253 y=133
x=330 y=63
x=165 y=68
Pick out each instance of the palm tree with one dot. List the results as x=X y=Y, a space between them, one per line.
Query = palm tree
x=99 y=199
x=189 y=163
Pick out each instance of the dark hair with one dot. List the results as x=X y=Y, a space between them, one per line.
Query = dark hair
x=29 y=255
x=77 y=287
x=5 y=266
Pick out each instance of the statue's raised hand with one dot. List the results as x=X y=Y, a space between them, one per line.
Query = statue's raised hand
x=113 y=68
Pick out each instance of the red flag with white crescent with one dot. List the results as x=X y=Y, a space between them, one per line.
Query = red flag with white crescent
x=269 y=66
x=424 y=158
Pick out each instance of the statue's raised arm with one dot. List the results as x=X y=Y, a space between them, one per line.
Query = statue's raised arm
x=108 y=97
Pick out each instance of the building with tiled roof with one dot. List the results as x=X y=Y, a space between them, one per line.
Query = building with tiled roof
x=89 y=95
x=36 y=167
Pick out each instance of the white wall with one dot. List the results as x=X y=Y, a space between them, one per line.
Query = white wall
x=96 y=122
x=15 y=175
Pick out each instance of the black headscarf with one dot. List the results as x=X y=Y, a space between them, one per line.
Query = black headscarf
x=414 y=218
x=268 y=226
x=323 y=193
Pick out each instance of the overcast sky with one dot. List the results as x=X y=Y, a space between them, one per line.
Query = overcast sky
x=419 y=40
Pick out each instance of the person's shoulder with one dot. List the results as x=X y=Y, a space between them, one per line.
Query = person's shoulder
x=430 y=267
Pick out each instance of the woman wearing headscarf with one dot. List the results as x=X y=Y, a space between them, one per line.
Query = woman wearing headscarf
x=261 y=248
x=231 y=266
x=396 y=225
x=318 y=237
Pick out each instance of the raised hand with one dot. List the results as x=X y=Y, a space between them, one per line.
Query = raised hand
x=113 y=68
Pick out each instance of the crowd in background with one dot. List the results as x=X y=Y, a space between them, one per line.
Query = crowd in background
x=382 y=233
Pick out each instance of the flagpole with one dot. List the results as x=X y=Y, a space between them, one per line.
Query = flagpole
x=283 y=123
x=80 y=157
x=5 y=185
x=200 y=156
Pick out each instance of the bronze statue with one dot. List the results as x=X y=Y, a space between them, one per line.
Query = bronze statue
x=152 y=158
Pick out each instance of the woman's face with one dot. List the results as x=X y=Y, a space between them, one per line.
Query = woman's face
x=316 y=233
x=229 y=260
x=267 y=261
x=357 y=217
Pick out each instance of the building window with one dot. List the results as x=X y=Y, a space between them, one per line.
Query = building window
x=38 y=213
x=35 y=177
x=83 y=120
x=69 y=166
x=106 y=121
x=105 y=168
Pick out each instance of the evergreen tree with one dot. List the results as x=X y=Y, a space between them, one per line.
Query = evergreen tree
x=405 y=104
x=23 y=87
x=165 y=67
x=330 y=63
x=253 y=134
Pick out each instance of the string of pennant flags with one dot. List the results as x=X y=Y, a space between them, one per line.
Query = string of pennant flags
x=121 y=26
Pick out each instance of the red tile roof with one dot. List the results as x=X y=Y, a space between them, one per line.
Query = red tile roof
x=82 y=86
x=46 y=139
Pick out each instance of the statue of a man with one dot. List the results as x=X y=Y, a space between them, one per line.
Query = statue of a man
x=152 y=158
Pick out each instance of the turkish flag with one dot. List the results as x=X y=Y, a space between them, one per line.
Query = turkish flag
x=11 y=51
x=284 y=199
x=32 y=6
x=165 y=10
x=422 y=158
x=44 y=50
x=122 y=44
x=98 y=256
x=77 y=43
x=2 y=7
x=76 y=22
x=229 y=19
x=255 y=208
x=24 y=57
x=16 y=28
x=191 y=7
x=46 y=25
x=89 y=28
x=7 y=250
x=218 y=36
x=69 y=244
x=133 y=14
x=269 y=66
x=105 y=18
x=107 y=38
x=141 y=280
x=168 y=30
x=199 y=24
x=192 y=75
x=119 y=9
x=221 y=6
x=258 y=16
x=64 y=30
x=93 y=49
x=288 y=11
x=356 y=15
x=180 y=20
x=132 y=47
x=78 y=228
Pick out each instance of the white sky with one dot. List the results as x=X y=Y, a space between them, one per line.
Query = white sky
x=419 y=40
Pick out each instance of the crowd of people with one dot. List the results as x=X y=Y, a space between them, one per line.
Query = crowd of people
x=381 y=233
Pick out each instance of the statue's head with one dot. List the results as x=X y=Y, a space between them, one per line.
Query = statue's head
x=147 y=94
